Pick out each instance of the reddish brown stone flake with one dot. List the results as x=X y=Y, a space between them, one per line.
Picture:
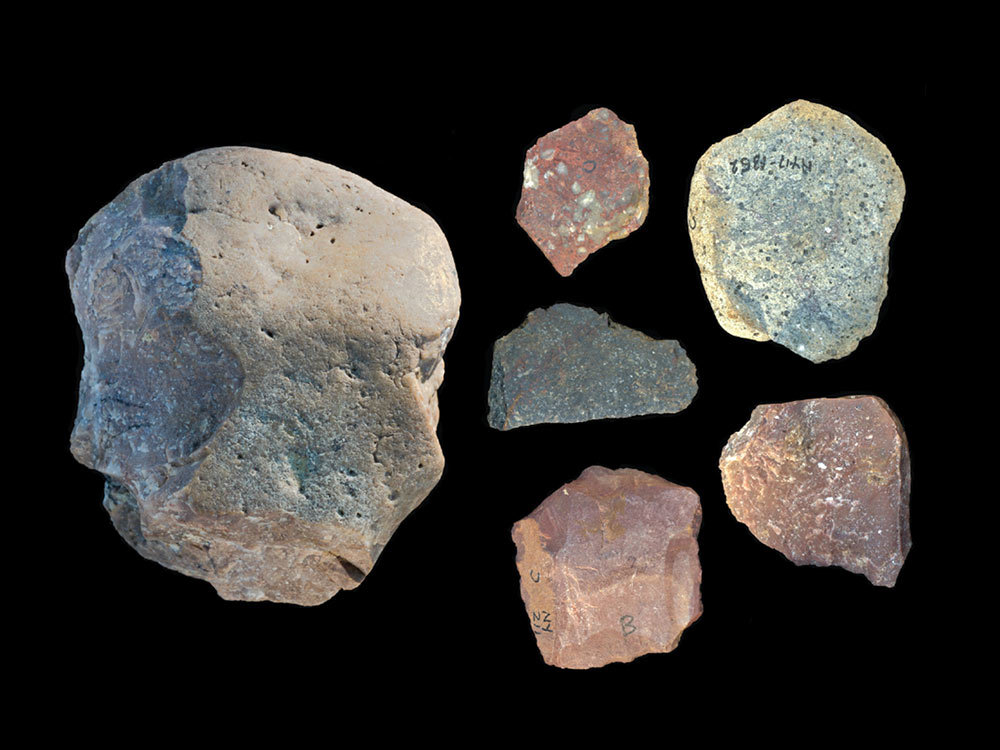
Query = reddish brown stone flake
x=585 y=184
x=609 y=567
x=824 y=482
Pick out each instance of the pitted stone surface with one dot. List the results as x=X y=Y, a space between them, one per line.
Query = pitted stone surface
x=573 y=364
x=790 y=223
x=264 y=337
x=609 y=567
x=585 y=185
x=824 y=482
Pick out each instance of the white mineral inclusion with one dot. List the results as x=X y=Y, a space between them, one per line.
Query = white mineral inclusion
x=530 y=175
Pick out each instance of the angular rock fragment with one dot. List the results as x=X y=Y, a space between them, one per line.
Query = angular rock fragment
x=609 y=567
x=824 y=482
x=572 y=364
x=264 y=337
x=790 y=222
x=585 y=185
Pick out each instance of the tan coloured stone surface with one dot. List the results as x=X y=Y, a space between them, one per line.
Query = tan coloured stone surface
x=825 y=482
x=609 y=567
x=790 y=222
x=264 y=338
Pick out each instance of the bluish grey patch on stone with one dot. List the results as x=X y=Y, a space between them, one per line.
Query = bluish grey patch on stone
x=573 y=364
x=153 y=389
x=162 y=195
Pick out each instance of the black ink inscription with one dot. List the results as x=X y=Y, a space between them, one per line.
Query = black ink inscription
x=534 y=575
x=759 y=162
x=590 y=165
x=627 y=627
x=541 y=622
x=692 y=222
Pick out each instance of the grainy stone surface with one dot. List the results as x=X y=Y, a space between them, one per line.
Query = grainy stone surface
x=609 y=567
x=790 y=222
x=573 y=364
x=585 y=185
x=824 y=482
x=264 y=337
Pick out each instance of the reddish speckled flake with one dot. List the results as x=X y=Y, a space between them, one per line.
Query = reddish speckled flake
x=585 y=184
x=824 y=482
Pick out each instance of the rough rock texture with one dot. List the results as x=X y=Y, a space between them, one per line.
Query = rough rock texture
x=790 y=222
x=264 y=337
x=824 y=482
x=609 y=567
x=572 y=364
x=585 y=184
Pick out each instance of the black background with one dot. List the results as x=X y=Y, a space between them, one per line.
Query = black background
x=442 y=605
